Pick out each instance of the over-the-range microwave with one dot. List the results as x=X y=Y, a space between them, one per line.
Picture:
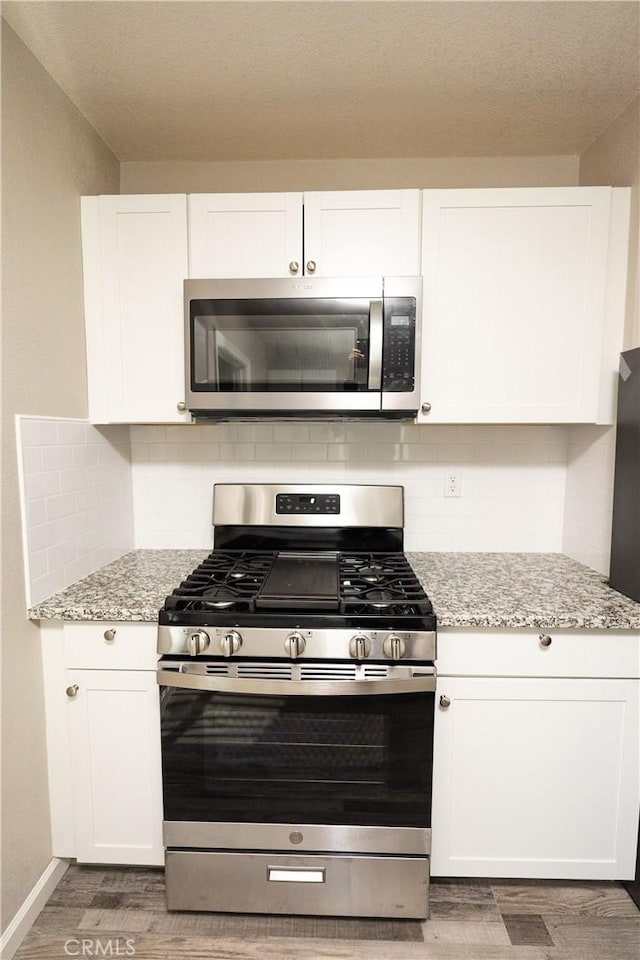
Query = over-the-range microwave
x=307 y=348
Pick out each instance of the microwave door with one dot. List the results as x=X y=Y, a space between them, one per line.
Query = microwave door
x=286 y=355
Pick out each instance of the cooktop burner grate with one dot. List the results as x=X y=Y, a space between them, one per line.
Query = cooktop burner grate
x=240 y=581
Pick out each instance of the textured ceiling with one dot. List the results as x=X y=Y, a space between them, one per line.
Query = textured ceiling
x=242 y=80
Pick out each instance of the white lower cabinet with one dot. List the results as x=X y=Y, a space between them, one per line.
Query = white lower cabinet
x=103 y=742
x=536 y=777
x=114 y=737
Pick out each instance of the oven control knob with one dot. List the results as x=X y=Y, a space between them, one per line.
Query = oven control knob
x=197 y=643
x=359 y=647
x=230 y=643
x=394 y=647
x=294 y=645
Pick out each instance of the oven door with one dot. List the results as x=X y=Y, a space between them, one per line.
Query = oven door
x=340 y=766
x=264 y=346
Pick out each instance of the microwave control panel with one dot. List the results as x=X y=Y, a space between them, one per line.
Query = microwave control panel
x=399 y=344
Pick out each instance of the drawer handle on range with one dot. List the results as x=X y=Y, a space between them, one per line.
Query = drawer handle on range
x=110 y=635
x=295 y=875
x=445 y=702
x=545 y=640
x=72 y=691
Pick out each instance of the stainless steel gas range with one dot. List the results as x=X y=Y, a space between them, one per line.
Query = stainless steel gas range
x=297 y=701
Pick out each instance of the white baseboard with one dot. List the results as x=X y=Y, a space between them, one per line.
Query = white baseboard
x=28 y=913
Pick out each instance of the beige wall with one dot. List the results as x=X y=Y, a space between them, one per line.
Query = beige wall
x=282 y=175
x=50 y=156
x=614 y=158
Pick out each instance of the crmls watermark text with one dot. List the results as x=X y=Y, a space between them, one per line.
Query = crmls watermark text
x=95 y=947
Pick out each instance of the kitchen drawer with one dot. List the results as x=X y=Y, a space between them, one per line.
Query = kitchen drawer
x=351 y=886
x=89 y=646
x=490 y=652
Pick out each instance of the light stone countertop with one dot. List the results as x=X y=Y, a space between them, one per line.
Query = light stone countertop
x=466 y=589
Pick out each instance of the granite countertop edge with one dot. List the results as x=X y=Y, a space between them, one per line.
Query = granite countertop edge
x=474 y=590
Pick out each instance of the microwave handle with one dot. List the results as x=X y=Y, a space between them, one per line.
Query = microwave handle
x=375 y=345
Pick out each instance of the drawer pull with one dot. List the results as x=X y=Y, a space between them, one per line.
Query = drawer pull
x=545 y=640
x=295 y=875
x=110 y=635
x=72 y=691
x=445 y=702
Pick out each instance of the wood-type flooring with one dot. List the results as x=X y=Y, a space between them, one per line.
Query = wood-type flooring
x=121 y=912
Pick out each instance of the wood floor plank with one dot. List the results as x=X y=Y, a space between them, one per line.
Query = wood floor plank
x=559 y=897
x=78 y=886
x=479 y=911
x=465 y=934
x=615 y=936
x=115 y=921
x=202 y=948
x=527 y=929
x=464 y=891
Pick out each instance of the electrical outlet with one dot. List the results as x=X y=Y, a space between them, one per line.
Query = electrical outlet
x=452 y=484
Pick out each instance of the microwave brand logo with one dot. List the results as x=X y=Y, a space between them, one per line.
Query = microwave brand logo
x=302 y=286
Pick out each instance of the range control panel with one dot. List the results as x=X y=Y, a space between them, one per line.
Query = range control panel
x=323 y=503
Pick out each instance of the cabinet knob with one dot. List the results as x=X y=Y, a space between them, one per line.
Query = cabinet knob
x=445 y=702
x=311 y=266
x=72 y=691
x=181 y=405
x=110 y=635
x=545 y=640
x=294 y=266
x=426 y=407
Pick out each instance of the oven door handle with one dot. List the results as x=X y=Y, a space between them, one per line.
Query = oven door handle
x=419 y=683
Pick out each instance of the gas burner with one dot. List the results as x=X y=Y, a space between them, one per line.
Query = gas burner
x=220 y=598
x=375 y=573
x=381 y=598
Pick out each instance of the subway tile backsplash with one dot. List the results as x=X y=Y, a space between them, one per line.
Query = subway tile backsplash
x=512 y=478
x=91 y=494
x=589 y=496
x=76 y=500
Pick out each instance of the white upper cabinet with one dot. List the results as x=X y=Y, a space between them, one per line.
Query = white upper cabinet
x=362 y=233
x=135 y=261
x=523 y=304
x=356 y=233
x=245 y=235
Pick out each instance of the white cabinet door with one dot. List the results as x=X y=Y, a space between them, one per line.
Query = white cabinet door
x=515 y=287
x=362 y=233
x=536 y=778
x=135 y=262
x=114 y=732
x=245 y=235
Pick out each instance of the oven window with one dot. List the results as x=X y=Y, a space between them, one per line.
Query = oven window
x=361 y=760
x=279 y=345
